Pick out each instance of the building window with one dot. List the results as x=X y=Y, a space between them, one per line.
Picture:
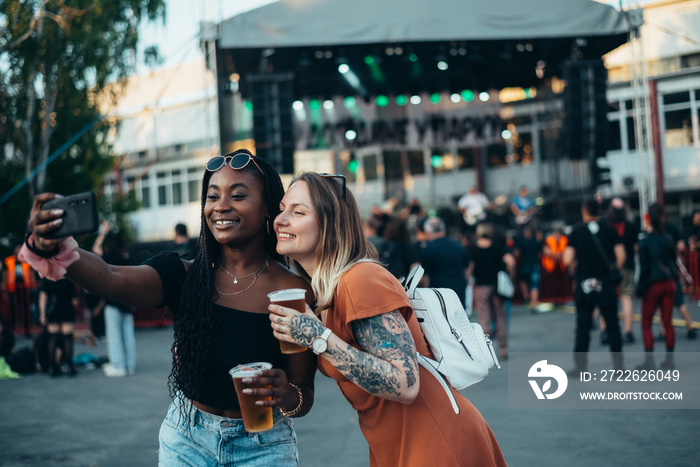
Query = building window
x=162 y=189
x=177 y=187
x=146 y=191
x=679 y=128
x=194 y=183
x=393 y=166
x=614 y=137
x=496 y=154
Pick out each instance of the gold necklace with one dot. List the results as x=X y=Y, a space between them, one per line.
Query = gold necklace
x=235 y=278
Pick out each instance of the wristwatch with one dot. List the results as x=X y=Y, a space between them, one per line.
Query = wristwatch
x=320 y=344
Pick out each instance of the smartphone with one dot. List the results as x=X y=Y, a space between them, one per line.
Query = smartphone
x=79 y=214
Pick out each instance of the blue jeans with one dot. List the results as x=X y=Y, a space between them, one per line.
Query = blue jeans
x=121 y=343
x=210 y=440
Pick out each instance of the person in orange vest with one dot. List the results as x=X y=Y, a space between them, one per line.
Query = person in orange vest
x=18 y=281
x=553 y=249
x=15 y=271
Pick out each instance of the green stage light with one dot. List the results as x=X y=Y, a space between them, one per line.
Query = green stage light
x=436 y=161
x=467 y=95
x=350 y=102
x=413 y=57
x=401 y=99
x=248 y=105
x=435 y=97
x=352 y=166
x=314 y=104
x=369 y=60
x=381 y=100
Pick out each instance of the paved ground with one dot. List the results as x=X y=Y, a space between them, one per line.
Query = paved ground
x=95 y=421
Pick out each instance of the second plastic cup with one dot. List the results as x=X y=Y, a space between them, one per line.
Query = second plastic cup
x=290 y=298
x=256 y=418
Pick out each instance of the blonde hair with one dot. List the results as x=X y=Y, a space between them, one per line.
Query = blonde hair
x=342 y=241
x=484 y=230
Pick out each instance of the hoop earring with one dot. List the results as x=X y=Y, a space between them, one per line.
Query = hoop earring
x=267 y=225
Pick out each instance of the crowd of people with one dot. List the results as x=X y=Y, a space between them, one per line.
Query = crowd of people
x=256 y=238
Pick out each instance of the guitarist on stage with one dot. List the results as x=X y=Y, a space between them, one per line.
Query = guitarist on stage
x=473 y=206
x=523 y=207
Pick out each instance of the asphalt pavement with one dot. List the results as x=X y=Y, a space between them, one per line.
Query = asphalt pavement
x=92 y=420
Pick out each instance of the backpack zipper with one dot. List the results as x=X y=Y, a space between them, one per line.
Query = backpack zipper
x=453 y=330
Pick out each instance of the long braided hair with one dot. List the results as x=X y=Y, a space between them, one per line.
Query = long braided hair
x=195 y=322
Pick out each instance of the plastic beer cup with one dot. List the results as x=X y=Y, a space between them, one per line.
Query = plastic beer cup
x=256 y=418
x=290 y=298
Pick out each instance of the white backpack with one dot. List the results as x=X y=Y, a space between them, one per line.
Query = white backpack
x=463 y=353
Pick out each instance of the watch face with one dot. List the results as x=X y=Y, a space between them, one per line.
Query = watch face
x=319 y=345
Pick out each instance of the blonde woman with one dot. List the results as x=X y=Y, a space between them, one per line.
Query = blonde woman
x=366 y=335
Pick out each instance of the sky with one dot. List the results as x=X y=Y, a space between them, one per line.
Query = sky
x=177 y=39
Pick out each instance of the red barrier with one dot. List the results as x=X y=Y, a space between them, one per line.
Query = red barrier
x=21 y=310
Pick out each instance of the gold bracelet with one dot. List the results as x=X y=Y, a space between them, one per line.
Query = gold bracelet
x=296 y=409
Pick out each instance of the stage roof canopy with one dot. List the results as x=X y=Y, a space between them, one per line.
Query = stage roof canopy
x=395 y=45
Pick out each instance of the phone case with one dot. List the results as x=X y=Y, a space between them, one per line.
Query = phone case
x=79 y=214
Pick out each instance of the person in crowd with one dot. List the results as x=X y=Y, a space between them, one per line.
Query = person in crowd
x=219 y=307
x=657 y=283
x=18 y=281
x=119 y=320
x=398 y=253
x=381 y=219
x=674 y=232
x=370 y=226
x=181 y=243
x=523 y=207
x=628 y=232
x=58 y=304
x=596 y=247
x=444 y=259
x=366 y=335
x=488 y=257
x=528 y=249
x=474 y=206
x=552 y=253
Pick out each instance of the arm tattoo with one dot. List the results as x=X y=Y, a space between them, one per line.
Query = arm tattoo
x=304 y=329
x=383 y=338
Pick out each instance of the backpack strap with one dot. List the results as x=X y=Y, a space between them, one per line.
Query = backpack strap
x=413 y=279
x=426 y=363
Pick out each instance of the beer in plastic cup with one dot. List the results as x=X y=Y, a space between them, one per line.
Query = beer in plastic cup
x=255 y=417
x=290 y=298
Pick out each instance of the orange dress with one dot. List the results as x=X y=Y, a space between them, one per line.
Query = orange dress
x=426 y=432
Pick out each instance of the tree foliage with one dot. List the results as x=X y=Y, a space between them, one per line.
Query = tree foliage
x=58 y=63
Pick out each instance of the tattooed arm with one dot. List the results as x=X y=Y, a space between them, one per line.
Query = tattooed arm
x=386 y=366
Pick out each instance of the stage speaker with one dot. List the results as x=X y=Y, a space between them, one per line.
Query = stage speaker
x=585 y=109
x=273 y=127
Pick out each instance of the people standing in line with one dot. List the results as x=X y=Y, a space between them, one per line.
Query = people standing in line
x=629 y=233
x=488 y=257
x=657 y=284
x=219 y=306
x=528 y=249
x=398 y=253
x=595 y=285
x=444 y=259
x=366 y=335
x=119 y=320
x=58 y=304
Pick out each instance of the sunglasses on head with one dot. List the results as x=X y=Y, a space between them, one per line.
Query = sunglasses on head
x=341 y=177
x=236 y=162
